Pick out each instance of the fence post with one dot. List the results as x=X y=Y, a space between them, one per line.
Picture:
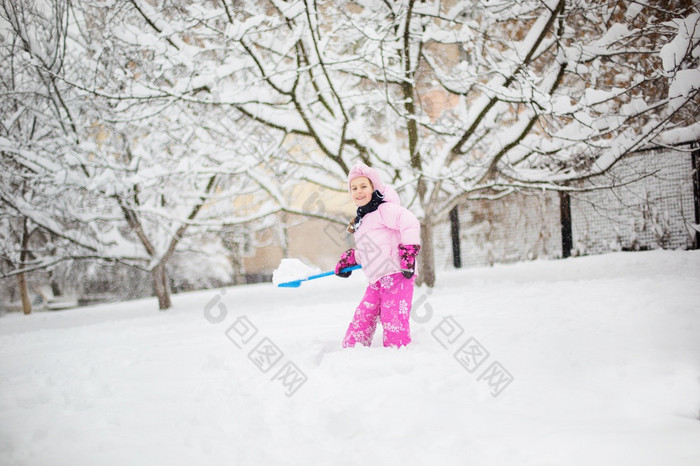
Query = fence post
x=695 y=156
x=565 y=218
x=454 y=230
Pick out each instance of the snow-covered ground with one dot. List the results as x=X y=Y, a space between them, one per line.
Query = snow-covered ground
x=584 y=361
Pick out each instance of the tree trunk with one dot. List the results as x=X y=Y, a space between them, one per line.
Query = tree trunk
x=238 y=268
x=426 y=272
x=22 y=277
x=161 y=287
x=24 y=294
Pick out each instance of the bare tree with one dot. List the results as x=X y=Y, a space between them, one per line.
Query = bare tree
x=453 y=100
x=38 y=135
x=100 y=178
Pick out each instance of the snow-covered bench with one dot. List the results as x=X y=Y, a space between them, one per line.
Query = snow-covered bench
x=55 y=303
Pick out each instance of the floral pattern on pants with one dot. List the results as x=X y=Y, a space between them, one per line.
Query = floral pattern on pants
x=387 y=300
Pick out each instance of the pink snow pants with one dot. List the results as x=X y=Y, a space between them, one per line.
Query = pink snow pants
x=389 y=300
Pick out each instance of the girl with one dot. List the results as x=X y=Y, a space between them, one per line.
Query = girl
x=387 y=238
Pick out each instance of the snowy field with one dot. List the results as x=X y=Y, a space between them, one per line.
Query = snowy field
x=586 y=361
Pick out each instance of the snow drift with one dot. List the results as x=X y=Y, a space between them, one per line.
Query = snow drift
x=582 y=361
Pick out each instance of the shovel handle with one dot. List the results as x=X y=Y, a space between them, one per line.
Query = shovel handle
x=297 y=283
x=332 y=272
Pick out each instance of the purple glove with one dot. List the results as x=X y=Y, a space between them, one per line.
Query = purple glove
x=347 y=259
x=408 y=253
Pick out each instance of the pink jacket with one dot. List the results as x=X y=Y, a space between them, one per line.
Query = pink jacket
x=378 y=237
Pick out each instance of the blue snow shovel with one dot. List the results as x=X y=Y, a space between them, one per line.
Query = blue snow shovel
x=297 y=283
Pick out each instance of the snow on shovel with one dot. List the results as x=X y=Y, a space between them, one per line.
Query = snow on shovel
x=292 y=272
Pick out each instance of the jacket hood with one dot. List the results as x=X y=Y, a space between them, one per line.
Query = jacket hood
x=361 y=169
x=390 y=195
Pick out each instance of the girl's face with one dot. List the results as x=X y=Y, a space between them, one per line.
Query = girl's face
x=361 y=190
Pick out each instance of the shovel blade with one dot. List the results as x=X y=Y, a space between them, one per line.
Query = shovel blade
x=292 y=284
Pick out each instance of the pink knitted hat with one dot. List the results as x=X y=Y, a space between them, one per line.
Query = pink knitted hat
x=361 y=169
